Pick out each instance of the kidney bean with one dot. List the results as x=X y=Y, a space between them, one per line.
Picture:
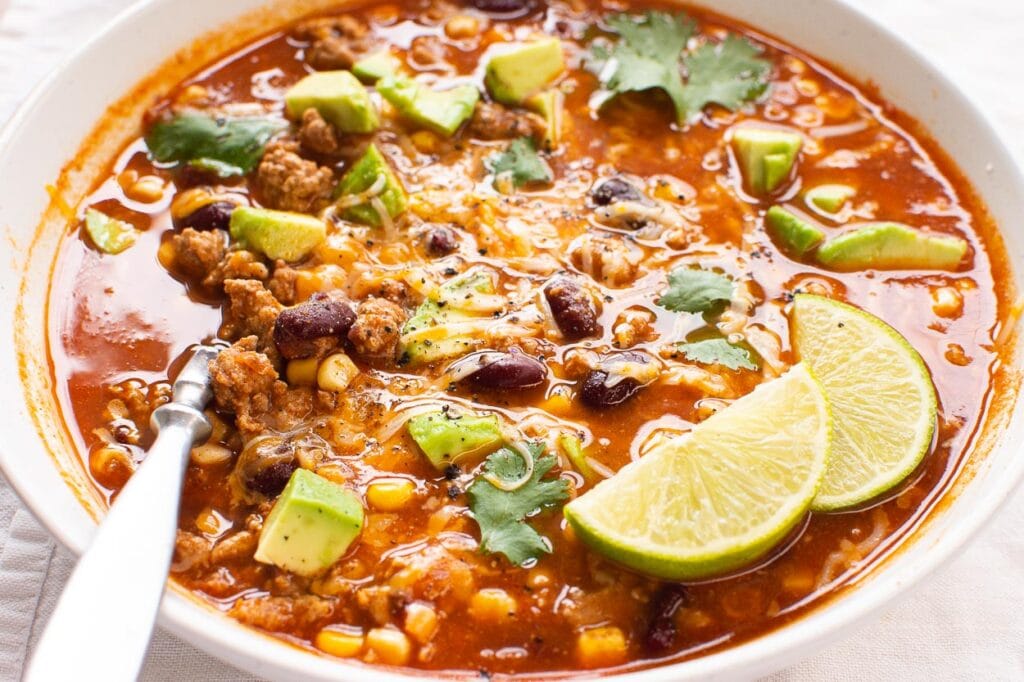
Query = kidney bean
x=572 y=308
x=513 y=370
x=613 y=190
x=215 y=216
x=271 y=480
x=297 y=329
x=596 y=392
x=441 y=240
x=661 y=630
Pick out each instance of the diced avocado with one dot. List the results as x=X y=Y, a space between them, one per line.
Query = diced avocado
x=361 y=177
x=829 y=198
x=550 y=104
x=891 y=246
x=339 y=97
x=110 y=235
x=766 y=156
x=512 y=76
x=374 y=67
x=436 y=314
x=277 y=234
x=794 y=235
x=443 y=112
x=445 y=438
x=311 y=526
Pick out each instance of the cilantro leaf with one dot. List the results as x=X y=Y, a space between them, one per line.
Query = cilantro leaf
x=227 y=146
x=695 y=291
x=729 y=74
x=519 y=164
x=717 y=352
x=646 y=56
x=502 y=514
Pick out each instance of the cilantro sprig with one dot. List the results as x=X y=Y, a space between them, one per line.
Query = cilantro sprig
x=519 y=164
x=225 y=146
x=695 y=291
x=501 y=514
x=651 y=54
x=717 y=352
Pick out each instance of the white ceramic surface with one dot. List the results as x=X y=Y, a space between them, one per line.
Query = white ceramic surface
x=46 y=132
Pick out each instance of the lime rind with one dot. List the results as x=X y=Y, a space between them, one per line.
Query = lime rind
x=881 y=395
x=719 y=497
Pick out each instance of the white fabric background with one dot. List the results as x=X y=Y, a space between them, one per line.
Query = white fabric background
x=967 y=623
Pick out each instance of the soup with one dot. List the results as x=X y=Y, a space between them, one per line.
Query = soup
x=469 y=261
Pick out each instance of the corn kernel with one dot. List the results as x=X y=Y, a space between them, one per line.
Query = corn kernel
x=302 y=372
x=462 y=26
x=947 y=302
x=166 y=254
x=390 y=494
x=492 y=604
x=334 y=472
x=147 y=189
x=559 y=402
x=336 y=372
x=601 y=647
x=340 y=643
x=426 y=142
x=388 y=646
x=420 y=622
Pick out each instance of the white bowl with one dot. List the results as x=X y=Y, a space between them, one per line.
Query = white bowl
x=38 y=456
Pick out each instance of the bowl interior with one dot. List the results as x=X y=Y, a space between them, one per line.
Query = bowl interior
x=45 y=174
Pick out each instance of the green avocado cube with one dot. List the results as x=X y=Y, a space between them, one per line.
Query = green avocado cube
x=891 y=246
x=446 y=438
x=550 y=104
x=829 y=198
x=376 y=66
x=361 y=177
x=766 y=156
x=437 y=314
x=523 y=70
x=339 y=97
x=441 y=111
x=794 y=235
x=110 y=235
x=311 y=526
x=277 y=234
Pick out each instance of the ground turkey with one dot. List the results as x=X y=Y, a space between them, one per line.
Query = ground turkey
x=317 y=135
x=377 y=327
x=492 y=121
x=283 y=614
x=289 y=182
x=282 y=283
x=251 y=311
x=335 y=42
x=197 y=253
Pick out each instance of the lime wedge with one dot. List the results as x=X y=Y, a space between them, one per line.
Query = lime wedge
x=881 y=394
x=720 y=496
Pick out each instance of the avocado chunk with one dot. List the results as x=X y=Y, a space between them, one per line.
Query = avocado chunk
x=426 y=336
x=277 y=234
x=891 y=246
x=829 y=198
x=376 y=66
x=311 y=526
x=766 y=156
x=794 y=235
x=361 y=177
x=339 y=97
x=446 y=438
x=110 y=235
x=550 y=104
x=441 y=111
x=513 y=76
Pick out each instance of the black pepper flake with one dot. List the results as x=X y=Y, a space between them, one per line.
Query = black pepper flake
x=450 y=272
x=452 y=471
x=482 y=251
x=454 y=492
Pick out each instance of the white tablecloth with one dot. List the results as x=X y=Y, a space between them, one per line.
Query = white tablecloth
x=966 y=623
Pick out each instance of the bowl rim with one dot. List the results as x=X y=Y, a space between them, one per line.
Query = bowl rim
x=191 y=619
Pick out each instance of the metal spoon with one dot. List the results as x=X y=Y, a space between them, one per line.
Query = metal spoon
x=104 y=620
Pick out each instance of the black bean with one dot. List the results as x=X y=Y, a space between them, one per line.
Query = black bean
x=661 y=629
x=296 y=329
x=504 y=7
x=596 y=392
x=513 y=370
x=271 y=480
x=441 y=240
x=215 y=216
x=572 y=308
x=613 y=190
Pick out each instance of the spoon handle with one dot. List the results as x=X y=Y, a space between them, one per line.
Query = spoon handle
x=102 y=624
